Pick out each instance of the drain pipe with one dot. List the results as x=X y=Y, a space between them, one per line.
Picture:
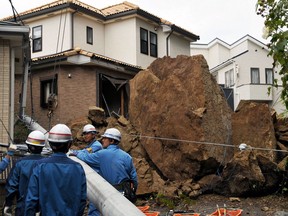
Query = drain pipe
x=167 y=40
x=104 y=196
x=72 y=29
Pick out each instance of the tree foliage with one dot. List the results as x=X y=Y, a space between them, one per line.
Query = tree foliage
x=275 y=13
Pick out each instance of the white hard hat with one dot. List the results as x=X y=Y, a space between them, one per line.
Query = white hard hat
x=36 y=138
x=60 y=133
x=112 y=133
x=89 y=128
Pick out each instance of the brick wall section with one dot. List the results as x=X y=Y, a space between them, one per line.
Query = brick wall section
x=75 y=94
x=4 y=89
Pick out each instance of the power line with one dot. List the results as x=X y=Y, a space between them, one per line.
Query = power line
x=210 y=143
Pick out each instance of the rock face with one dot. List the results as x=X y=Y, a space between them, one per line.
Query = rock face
x=254 y=119
x=178 y=103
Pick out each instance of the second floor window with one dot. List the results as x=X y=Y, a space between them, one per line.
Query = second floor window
x=37 y=39
x=269 y=76
x=89 y=35
x=229 y=78
x=255 y=76
x=153 y=44
x=144 y=41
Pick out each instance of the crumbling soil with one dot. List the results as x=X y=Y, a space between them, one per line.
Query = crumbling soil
x=206 y=204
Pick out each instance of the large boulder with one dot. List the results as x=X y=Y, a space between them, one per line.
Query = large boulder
x=180 y=111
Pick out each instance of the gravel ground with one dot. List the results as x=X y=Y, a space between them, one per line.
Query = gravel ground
x=271 y=205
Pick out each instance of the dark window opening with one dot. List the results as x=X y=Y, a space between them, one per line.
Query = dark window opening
x=269 y=76
x=144 y=41
x=37 y=39
x=113 y=97
x=255 y=76
x=89 y=35
x=153 y=44
x=48 y=90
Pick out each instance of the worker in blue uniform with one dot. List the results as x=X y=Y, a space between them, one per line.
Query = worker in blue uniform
x=6 y=160
x=89 y=134
x=93 y=145
x=115 y=165
x=58 y=184
x=17 y=182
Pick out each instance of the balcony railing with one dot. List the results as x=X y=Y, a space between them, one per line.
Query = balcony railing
x=256 y=92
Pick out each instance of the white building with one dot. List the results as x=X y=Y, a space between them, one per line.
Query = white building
x=245 y=68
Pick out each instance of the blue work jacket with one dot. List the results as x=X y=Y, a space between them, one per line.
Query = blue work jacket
x=18 y=180
x=4 y=164
x=114 y=164
x=58 y=186
x=93 y=147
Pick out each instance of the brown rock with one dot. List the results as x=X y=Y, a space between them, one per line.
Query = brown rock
x=97 y=116
x=178 y=103
x=252 y=124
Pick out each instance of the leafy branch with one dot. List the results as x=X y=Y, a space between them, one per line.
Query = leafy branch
x=275 y=13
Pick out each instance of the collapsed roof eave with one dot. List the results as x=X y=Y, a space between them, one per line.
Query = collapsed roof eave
x=79 y=59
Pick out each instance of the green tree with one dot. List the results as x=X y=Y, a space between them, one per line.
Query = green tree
x=275 y=13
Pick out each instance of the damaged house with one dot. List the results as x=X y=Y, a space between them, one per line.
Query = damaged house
x=82 y=56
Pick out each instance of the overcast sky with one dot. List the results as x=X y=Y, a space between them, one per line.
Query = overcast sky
x=228 y=20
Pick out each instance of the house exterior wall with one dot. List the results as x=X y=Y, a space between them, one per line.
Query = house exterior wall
x=56 y=34
x=4 y=90
x=75 y=94
x=215 y=54
x=72 y=102
x=142 y=59
x=120 y=40
x=116 y=39
x=80 y=24
x=178 y=46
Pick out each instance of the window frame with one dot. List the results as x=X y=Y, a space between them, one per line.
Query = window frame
x=229 y=78
x=153 y=45
x=52 y=84
x=267 y=77
x=89 y=35
x=37 y=40
x=144 y=41
x=252 y=70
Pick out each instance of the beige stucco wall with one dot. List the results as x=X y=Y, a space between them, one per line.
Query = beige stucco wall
x=80 y=24
x=56 y=34
x=4 y=90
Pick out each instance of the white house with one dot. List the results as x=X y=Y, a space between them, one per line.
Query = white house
x=245 y=68
x=84 y=56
